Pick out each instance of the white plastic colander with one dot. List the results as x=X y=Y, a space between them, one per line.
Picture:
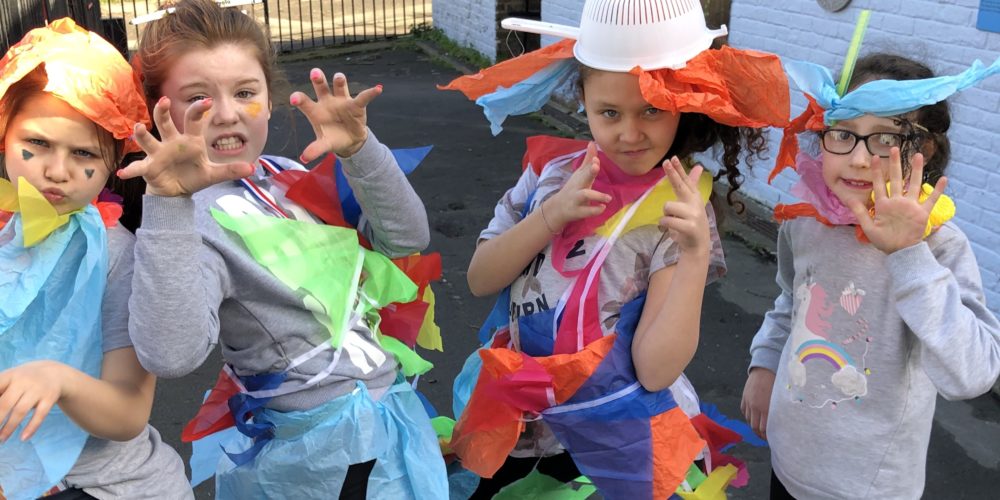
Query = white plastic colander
x=618 y=35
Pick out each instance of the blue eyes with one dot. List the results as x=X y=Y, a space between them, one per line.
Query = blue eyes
x=82 y=153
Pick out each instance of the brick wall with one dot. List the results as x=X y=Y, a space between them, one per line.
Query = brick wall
x=943 y=35
x=470 y=23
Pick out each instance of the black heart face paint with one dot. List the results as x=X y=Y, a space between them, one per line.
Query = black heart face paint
x=89 y=172
x=27 y=155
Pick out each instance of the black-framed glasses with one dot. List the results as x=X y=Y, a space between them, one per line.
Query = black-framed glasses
x=842 y=142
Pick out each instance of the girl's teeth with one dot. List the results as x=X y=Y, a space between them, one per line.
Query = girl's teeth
x=228 y=143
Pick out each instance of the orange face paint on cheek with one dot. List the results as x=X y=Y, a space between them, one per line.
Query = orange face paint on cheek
x=253 y=109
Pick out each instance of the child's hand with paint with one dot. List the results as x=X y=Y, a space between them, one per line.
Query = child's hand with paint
x=178 y=163
x=339 y=120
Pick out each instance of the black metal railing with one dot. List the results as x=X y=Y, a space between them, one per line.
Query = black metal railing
x=17 y=17
x=293 y=24
x=296 y=24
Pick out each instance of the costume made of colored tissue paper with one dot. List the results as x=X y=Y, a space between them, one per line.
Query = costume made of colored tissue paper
x=630 y=442
x=52 y=291
x=53 y=268
x=740 y=88
x=346 y=282
x=825 y=107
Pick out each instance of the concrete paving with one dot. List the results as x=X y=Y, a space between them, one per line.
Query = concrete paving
x=460 y=182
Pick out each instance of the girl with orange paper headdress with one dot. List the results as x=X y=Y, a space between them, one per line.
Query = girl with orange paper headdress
x=882 y=306
x=602 y=251
x=74 y=400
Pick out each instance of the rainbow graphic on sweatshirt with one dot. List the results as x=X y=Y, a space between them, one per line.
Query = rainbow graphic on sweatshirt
x=826 y=351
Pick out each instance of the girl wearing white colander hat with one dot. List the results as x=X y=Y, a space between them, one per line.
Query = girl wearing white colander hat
x=602 y=252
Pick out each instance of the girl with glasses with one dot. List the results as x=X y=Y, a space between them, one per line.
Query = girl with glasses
x=882 y=306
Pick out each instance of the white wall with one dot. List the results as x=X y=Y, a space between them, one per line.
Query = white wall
x=470 y=23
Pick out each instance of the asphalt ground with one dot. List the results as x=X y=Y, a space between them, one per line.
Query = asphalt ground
x=460 y=183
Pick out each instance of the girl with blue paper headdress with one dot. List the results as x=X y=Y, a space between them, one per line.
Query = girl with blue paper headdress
x=881 y=306
x=74 y=400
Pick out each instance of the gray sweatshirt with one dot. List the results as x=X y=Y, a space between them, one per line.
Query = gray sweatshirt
x=196 y=286
x=145 y=466
x=862 y=344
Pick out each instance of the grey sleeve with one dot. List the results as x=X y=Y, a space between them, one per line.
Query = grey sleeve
x=395 y=219
x=177 y=286
x=765 y=350
x=939 y=294
x=114 y=307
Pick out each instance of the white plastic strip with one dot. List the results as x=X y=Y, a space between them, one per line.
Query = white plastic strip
x=602 y=255
x=620 y=393
x=157 y=15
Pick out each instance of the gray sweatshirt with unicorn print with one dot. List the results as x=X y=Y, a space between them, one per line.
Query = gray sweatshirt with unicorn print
x=862 y=344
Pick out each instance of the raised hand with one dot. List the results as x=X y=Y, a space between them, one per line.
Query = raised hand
x=577 y=199
x=900 y=218
x=32 y=386
x=685 y=219
x=339 y=120
x=178 y=164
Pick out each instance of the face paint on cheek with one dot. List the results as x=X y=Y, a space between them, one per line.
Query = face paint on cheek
x=27 y=155
x=89 y=172
x=254 y=109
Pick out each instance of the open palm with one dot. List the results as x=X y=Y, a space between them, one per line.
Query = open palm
x=338 y=120
x=900 y=218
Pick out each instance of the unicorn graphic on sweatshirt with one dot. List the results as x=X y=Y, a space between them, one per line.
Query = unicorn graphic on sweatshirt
x=811 y=343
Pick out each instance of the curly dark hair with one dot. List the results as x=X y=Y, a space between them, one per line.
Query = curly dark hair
x=697 y=133
x=927 y=126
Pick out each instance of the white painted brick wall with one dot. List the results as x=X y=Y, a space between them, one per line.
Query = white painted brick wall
x=561 y=12
x=941 y=34
x=470 y=23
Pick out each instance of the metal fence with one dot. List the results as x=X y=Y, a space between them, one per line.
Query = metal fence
x=296 y=24
x=17 y=17
x=293 y=24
